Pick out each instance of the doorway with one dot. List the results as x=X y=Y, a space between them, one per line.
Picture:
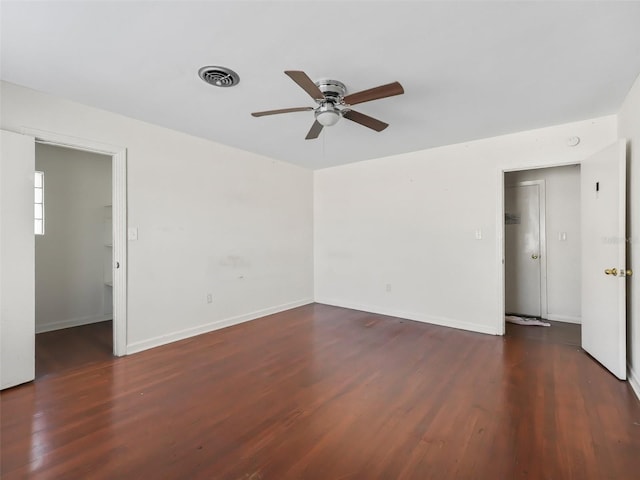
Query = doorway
x=119 y=221
x=73 y=258
x=542 y=235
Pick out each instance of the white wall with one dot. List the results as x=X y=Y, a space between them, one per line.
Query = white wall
x=216 y=219
x=410 y=221
x=562 y=202
x=17 y=336
x=629 y=128
x=211 y=219
x=70 y=287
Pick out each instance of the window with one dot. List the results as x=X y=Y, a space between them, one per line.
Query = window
x=38 y=205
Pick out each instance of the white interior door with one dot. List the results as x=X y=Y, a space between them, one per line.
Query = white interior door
x=603 y=197
x=17 y=264
x=522 y=250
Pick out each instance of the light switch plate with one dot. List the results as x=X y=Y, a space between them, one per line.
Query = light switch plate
x=133 y=233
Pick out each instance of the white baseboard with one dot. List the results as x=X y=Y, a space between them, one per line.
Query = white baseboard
x=634 y=381
x=73 y=322
x=563 y=318
x=210 y=327
x=419 y=317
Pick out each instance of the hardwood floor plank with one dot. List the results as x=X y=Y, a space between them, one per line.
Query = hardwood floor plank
x=321 y=392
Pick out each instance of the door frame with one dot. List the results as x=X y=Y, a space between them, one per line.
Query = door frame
x=119 y=220
x=500 y=328
x=543 y=239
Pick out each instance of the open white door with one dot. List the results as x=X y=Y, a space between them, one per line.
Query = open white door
x=603 y=195
x=17 y=264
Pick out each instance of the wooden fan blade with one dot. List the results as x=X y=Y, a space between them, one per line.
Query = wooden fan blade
x=365 y=120
x=305 y=83
x=282 y=110
x=383 y=91
x=316 y=128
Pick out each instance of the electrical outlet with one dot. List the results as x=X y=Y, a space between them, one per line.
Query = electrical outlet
x=388 y=287
x=209 y=298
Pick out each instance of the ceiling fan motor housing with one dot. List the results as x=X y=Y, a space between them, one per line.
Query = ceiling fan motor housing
x=332 y=89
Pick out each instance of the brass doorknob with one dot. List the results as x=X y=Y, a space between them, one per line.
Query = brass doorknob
x=611 y=271
x=626 y=273
x=534 y=256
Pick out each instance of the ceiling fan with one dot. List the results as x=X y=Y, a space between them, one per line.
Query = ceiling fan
x=333 y=103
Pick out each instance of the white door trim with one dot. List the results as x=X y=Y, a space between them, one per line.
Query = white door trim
x=119 y=200
x=544 y=311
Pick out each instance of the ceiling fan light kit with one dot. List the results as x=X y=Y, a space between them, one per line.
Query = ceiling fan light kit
x=333 y=103
x=327 y=115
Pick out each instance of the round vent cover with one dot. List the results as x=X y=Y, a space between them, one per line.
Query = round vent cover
x=219 y=76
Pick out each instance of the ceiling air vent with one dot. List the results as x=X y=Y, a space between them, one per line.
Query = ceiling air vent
x=219 y=76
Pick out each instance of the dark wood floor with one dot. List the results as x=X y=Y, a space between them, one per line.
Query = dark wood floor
x=70 y=348
x=321 y=392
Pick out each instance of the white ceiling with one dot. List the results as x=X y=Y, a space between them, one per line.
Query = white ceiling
x=470 y=69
